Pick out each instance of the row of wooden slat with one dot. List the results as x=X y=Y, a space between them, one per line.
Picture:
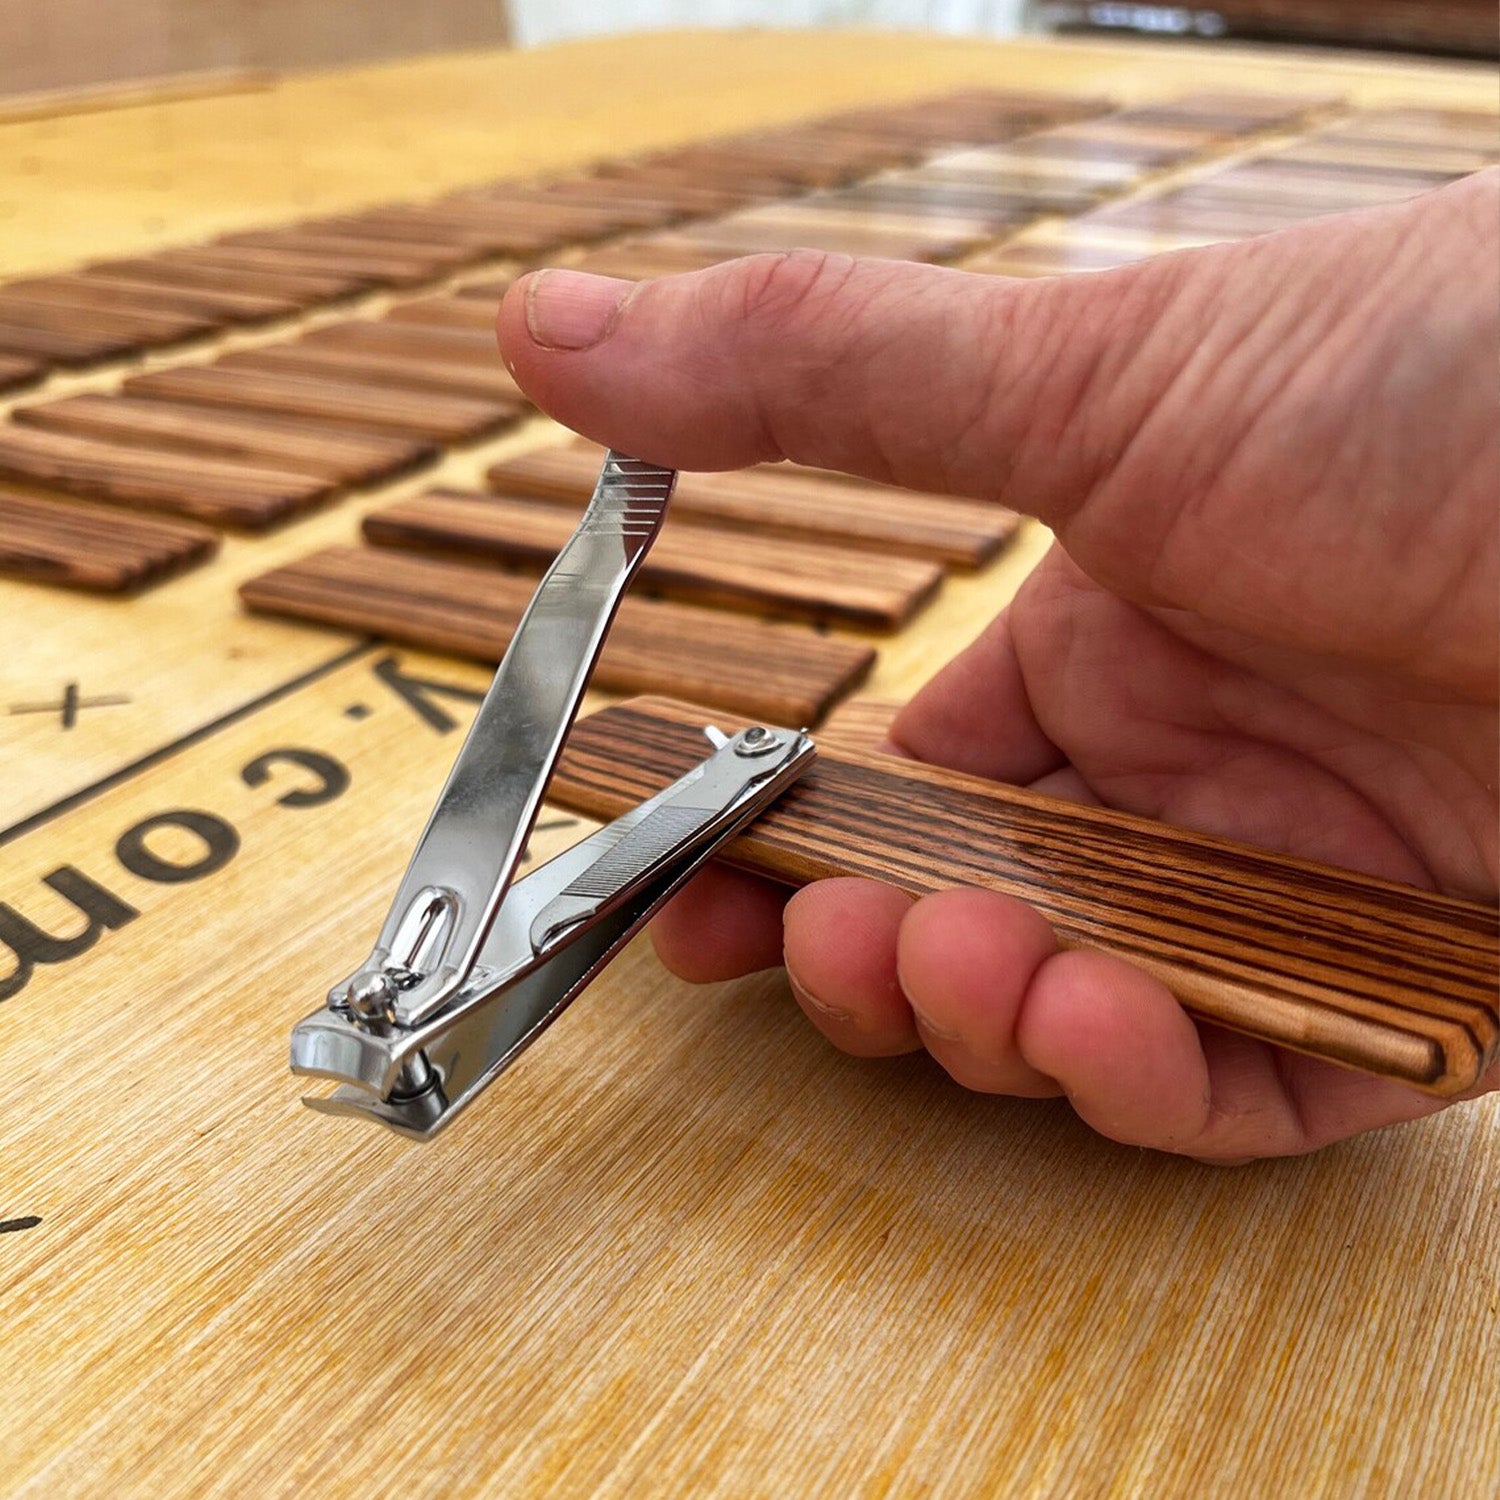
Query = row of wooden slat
x=1371 y=158
x=264 y=433
x=119 y=308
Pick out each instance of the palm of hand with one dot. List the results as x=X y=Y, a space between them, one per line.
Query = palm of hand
x=1273 y=468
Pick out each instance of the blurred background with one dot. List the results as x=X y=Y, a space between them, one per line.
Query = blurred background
x=72 y=44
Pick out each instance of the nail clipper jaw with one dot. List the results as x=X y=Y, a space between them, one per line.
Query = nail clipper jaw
x=555 y=930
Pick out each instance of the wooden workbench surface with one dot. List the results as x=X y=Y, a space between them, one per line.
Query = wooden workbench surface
x=683 y=1248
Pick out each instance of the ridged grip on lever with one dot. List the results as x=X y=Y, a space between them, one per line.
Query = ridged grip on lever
x=1377 y=976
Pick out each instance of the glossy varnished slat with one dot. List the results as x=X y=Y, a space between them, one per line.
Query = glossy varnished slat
x=88 y=289
x=416 y=414
x=487 y=382
x=1381 y=977
x=188 y=269
x=207 y=489
x=403 y=340
x=464 y=313
x=57 y=346
x=329 y=452
x=143 y=328
x=785 y=672
x=689 y=561
x=17 y=373
x=93 y=547
x=781 y=500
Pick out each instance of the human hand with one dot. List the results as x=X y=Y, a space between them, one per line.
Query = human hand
x=1271 y=614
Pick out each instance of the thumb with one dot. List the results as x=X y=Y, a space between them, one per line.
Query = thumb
x=1245 y=390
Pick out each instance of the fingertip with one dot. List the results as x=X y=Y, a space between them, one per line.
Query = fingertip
x=1128 y=1056
x=965 y=958
x=721 y=925
x=839 y=938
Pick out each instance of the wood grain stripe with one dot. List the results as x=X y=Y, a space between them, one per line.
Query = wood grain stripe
x=364 y=367
x=784 y=672
x=1362 y=972
x=207 y=489
x=702 y=564
x=406 y=413
x=404 y=340
x=88 y=289
x=187 y=269
x=145 y=329
x=782 y=500
x=92 y=547
x=332 y=453
x=16 y=373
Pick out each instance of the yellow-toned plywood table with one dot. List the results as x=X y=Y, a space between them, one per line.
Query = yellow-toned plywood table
x=683 y=1247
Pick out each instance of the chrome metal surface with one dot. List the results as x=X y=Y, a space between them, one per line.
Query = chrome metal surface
x=556 y=929
x=468 y=853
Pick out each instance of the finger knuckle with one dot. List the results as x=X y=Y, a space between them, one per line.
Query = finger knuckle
x=769 y=289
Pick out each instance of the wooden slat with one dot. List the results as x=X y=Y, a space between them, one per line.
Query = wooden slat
x=91 y=289
x=54 y=346
x=445 y=312
x=1383 y=977
x=333 y=453
x=207 y=489
x=781 y=500
x=408 y=260
x=144 y=329
x=92 y=547
x=372 y=272
x=786 y=673
x=187 y=269
x=398 y=340
x=847 y=234
x=702 y=564
x=16 y=372
x=369 y=408
x=488 y=382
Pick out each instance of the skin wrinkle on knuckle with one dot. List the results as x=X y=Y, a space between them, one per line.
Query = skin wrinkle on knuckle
x=770 y=302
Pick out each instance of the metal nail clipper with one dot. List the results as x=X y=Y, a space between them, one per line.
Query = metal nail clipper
x=472 y=965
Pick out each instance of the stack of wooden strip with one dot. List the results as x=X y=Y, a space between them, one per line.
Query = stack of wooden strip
x=785 y=500
x=84 y=546
x=1373 y=157
x=780 y=673
x=953 y=203
x=118 y=309
x=777 y=542
x=263 y=434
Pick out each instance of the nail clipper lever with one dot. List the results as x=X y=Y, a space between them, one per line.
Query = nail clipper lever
x=468 y=968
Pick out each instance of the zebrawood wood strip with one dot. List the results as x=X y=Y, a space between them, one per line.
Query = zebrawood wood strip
x=445 y=312
x=54 y=346
x=372 y=273
x=785 y=672
x=207 y=489
x=92 y=547
x=1054 y=258
x=490 y=291
x=333 y=453
x=416 y=414
x=398 y=340
x=702 y=564
x=419 y=258
x=86 y=290
x=234 y=306
x=187 y=268
x=146 y=329
x=845 y=234
x=1363 y=972
x=16 y=372
x=781 y=500
x=401 y=373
